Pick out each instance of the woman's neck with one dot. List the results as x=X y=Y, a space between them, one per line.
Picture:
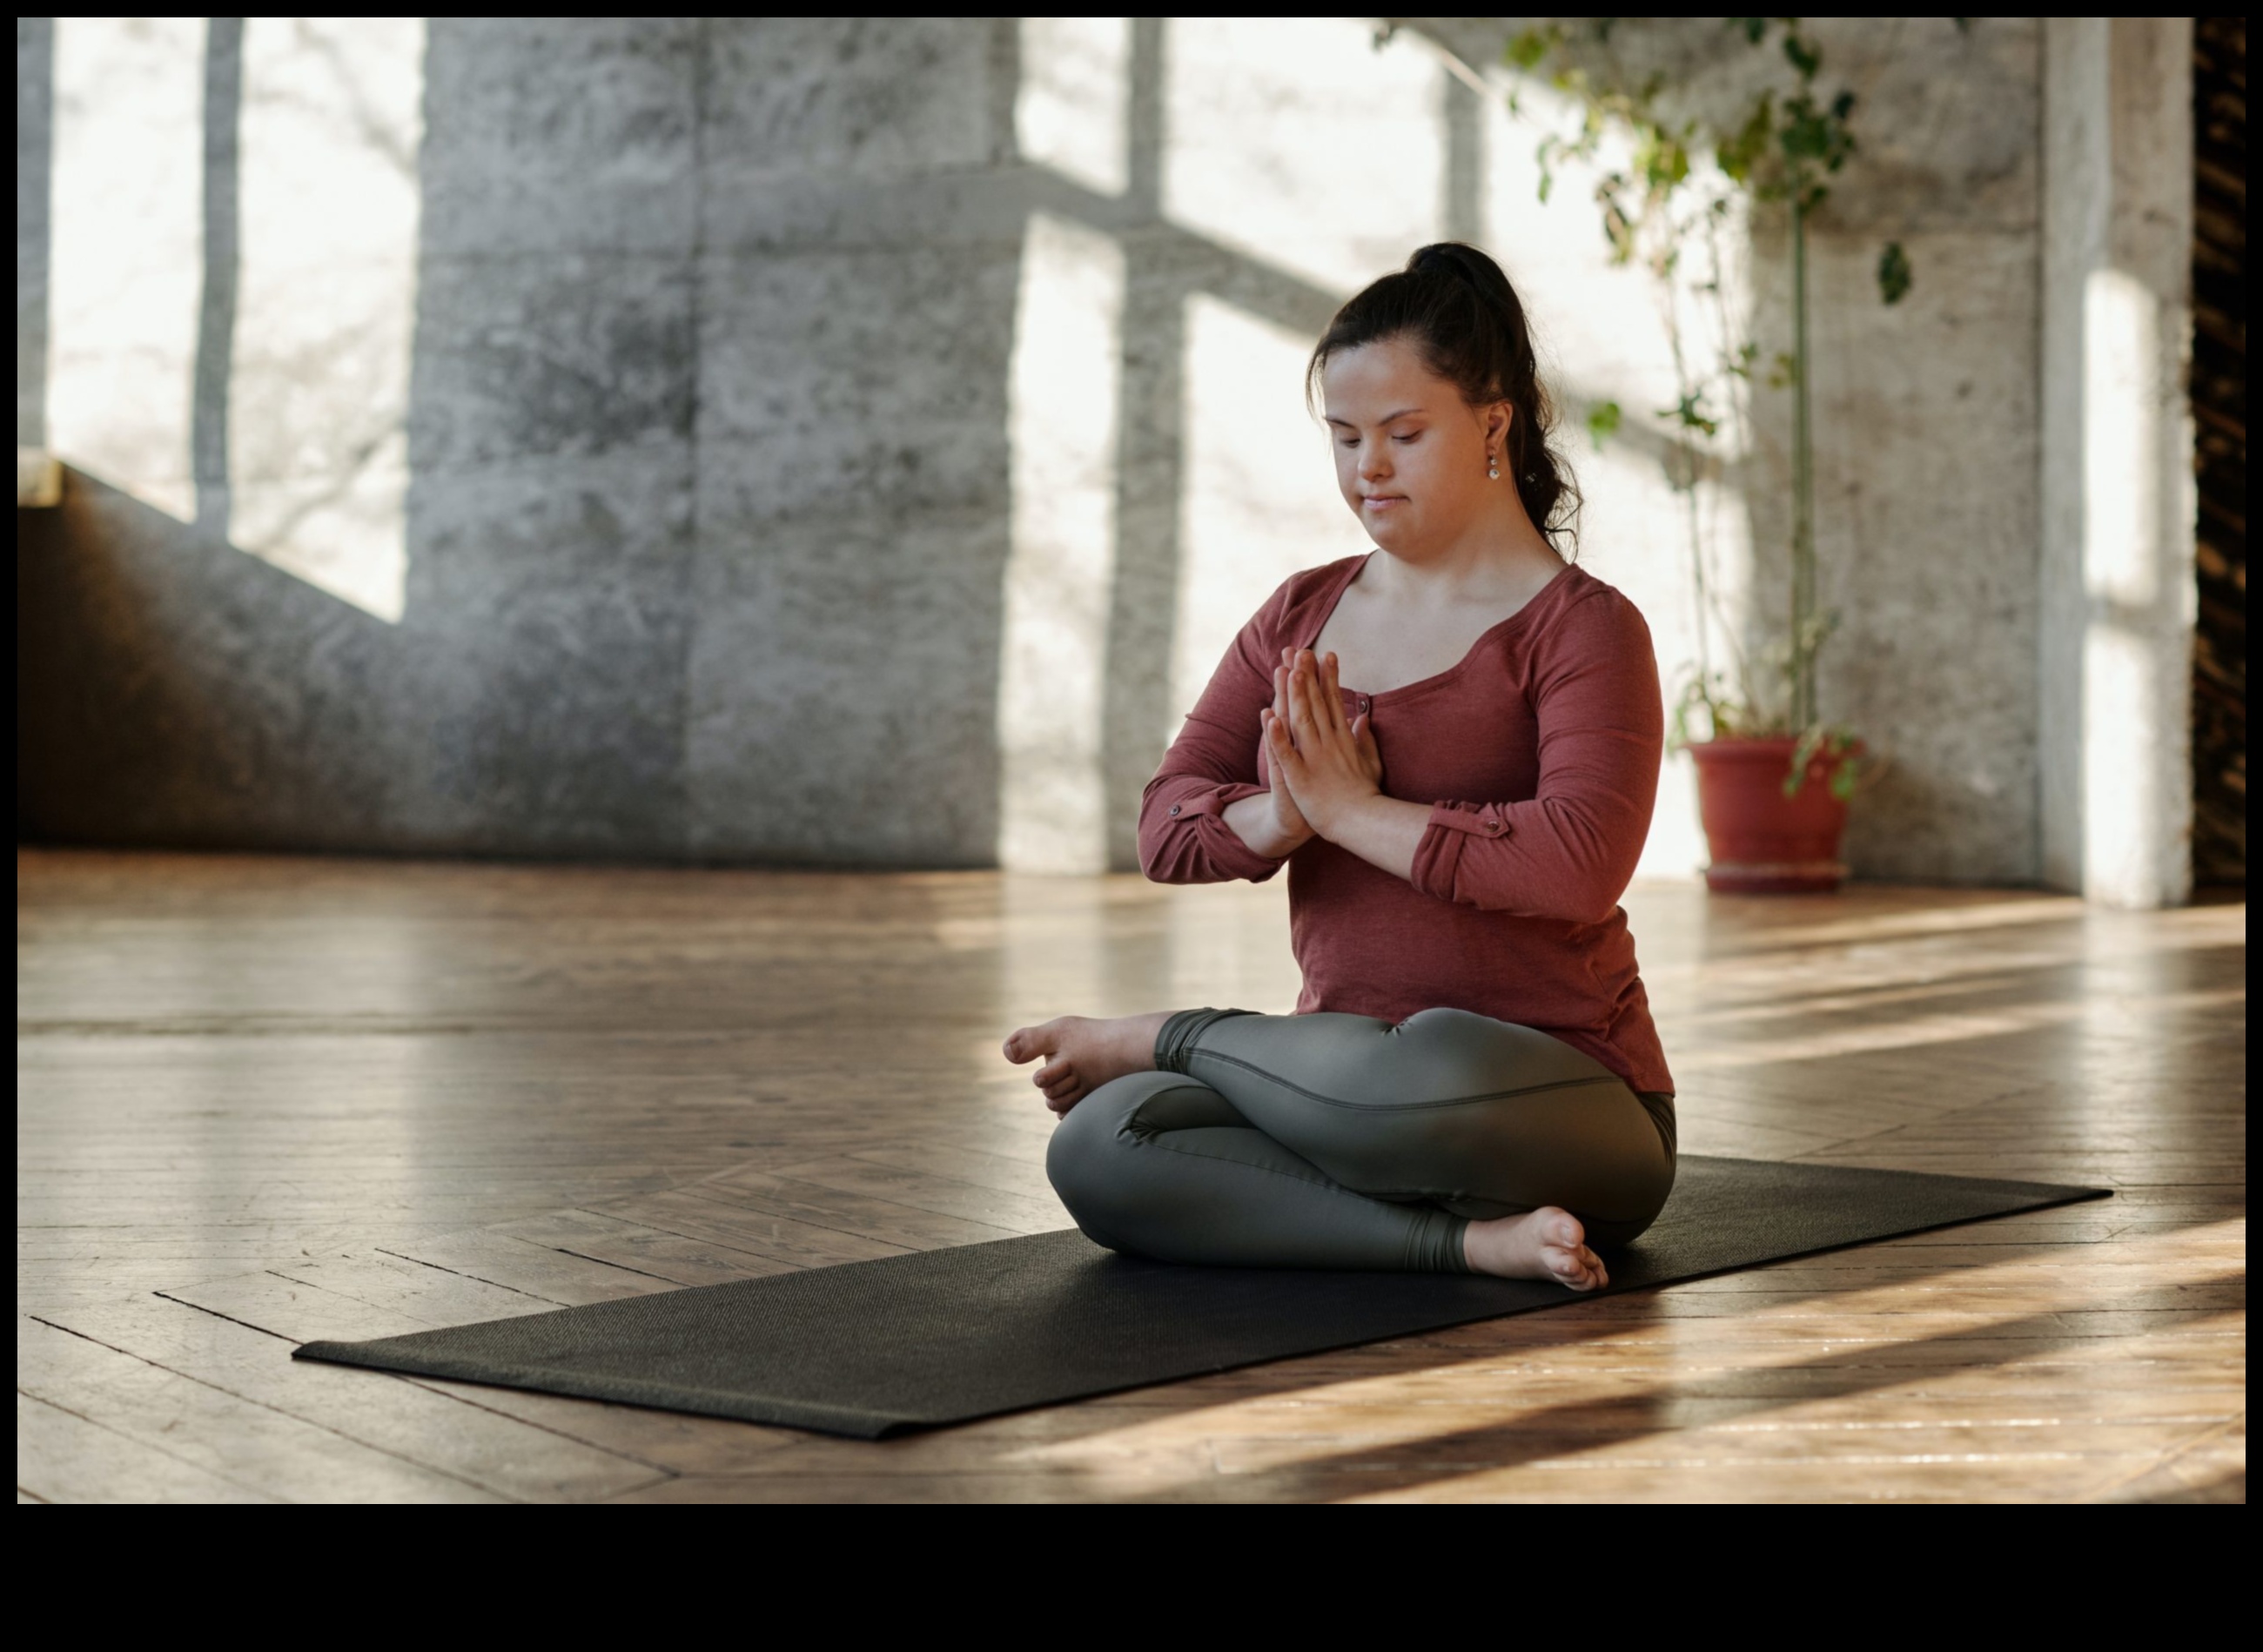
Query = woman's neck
x=1499 y=554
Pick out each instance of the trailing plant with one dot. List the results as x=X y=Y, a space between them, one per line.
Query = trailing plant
x=1683 y=183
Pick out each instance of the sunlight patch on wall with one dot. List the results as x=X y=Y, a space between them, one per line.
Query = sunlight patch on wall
x=1295 y=140
x=2136 y=796
x=318 y=455
x=127 y=251
x=1067 y=342
x=1071 y=108
x=1259 y=497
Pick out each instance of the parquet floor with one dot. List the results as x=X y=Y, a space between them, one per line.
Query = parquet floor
x=261 y=1100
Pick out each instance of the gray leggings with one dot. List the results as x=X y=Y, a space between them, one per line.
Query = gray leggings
x=1343 y=1141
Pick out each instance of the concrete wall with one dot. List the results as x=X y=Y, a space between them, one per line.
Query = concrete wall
x=1925 y=414
x=854 y=441
x=671 y=439
x=2118 y=589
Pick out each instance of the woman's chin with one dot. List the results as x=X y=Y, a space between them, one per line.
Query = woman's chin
x=1383 y=525
x=1392 y=533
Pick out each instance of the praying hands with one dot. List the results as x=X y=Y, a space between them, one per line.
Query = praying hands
x=1326 y=771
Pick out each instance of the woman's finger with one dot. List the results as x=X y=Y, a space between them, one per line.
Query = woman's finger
x=1280 y=750
x=1333 y=682
x=1300 y=701
x=1310 y=678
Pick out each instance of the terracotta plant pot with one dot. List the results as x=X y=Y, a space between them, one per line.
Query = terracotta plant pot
x=1762 y=841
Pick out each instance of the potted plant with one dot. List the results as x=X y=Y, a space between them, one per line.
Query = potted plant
x=1773 y=779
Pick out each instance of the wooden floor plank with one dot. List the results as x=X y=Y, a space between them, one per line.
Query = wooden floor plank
x=702 y=1214
x=63 y=1458
x=640 y=1250
x=882 y=1220
x=1020 y=1177
x=944 y=1195
x=555 y=1275
x=249 y=1445
x=510 y=1458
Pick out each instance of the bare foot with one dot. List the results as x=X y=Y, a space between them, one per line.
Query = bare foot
x=1084 y=1053
x=1547 y=1243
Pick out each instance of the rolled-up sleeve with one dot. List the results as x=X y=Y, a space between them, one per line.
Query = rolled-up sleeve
x=1183 y=837
x=1569 y=852
x=1213 y=764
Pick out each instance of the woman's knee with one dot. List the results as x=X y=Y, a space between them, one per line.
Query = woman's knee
x=1630 y=1215
x=1089 y=1159
x=1076 y=1158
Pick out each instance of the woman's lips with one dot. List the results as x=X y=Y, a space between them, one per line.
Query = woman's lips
x=1381 y=500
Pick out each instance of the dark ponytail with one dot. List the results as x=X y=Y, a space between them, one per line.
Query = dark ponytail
x=1457 y=308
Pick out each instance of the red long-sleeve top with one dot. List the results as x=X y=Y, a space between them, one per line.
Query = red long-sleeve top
x=1539 y=754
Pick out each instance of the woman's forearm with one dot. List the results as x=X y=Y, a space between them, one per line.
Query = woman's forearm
x=1384 y=831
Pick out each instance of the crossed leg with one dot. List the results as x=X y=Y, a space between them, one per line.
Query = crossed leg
x=1444 y=1142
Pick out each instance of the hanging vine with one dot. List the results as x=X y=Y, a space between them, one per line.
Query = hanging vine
x=1679 y=184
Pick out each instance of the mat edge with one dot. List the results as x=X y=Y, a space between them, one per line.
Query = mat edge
x=848 y=1422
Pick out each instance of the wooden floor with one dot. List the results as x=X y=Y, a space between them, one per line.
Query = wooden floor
x=264 y=1100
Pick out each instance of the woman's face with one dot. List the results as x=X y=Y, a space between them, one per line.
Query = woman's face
x=1410 y=454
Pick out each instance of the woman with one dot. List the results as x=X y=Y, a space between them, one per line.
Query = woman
x=1471 y=1082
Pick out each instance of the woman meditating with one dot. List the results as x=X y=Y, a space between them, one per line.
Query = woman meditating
x=1453 y=743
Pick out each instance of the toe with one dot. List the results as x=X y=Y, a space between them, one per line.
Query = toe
x=1026 y=1043
x=1571 y=1266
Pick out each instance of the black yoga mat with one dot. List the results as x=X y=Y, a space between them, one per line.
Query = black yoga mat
x=874 y=1348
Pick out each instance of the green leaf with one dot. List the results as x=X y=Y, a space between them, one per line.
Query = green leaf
x=1894 y=275
x=1690 y=414
x=1740 y=153
x=1805 y=56
x=1755 y=28
x=1602 y=422
x=1526 y=50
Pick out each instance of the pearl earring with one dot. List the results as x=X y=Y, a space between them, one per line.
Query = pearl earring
x=1492 y=468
